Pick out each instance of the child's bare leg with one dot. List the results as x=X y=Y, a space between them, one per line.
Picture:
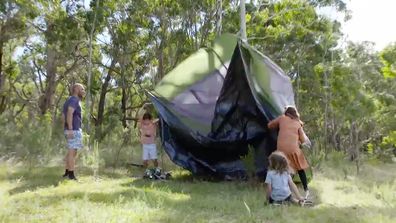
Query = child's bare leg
x=295 y=191
x=155 y=162
x=145 y=163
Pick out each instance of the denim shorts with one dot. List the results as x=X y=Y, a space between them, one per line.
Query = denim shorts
x=76 y=141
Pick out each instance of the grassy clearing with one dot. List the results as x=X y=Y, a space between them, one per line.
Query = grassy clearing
x=40 y=195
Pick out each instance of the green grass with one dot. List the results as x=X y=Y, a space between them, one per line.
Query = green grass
x=40 y=195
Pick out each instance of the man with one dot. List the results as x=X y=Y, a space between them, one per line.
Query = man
x=72 y=127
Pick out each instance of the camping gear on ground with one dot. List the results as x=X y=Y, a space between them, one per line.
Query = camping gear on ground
x=156 y=174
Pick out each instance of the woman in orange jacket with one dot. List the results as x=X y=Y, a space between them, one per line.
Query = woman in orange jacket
x=290 y=136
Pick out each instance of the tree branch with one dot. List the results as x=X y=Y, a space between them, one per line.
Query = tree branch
x=39 y=72
x=137 y=106
x=19 y=111
x=131 y=119
x=109 y=68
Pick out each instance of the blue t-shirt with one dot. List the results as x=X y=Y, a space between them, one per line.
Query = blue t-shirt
x=73 y=102
x=279 y=183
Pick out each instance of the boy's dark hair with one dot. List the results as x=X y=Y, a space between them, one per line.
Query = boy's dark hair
x=278 y=162
x=147 y=116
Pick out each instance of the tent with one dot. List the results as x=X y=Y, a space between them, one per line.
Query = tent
x=217 y=103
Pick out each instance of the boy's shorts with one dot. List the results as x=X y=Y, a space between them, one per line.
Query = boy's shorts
x=76 y=141
x=149 y=152
x=288 y=199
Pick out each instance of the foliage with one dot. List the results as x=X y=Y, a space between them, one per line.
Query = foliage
x=388 y=58
x=345 y=92
x=35 y=141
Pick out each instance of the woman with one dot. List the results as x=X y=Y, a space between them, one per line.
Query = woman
x=290 y=136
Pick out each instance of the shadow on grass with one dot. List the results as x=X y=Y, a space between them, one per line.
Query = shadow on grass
x=200 y=201
x=31 y=179
x=186 y=196
x=41 y=177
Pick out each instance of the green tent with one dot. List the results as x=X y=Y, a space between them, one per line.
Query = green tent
x=216 y=103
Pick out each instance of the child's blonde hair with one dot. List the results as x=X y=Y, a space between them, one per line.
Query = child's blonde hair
x=278 y=162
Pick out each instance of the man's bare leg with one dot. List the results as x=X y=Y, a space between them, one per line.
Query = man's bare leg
x=71 y=160
x=66 y=160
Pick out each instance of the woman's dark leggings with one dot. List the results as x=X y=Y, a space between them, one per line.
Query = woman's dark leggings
x=303 y=178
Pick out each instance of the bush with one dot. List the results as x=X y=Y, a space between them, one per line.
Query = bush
x=34 y=141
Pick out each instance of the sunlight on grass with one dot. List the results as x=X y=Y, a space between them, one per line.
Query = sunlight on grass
x=346 y=194
x=41 y=195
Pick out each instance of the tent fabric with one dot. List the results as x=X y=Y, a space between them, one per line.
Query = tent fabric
x=217 y=103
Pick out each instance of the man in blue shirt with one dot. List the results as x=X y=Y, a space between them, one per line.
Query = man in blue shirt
x=72 y=127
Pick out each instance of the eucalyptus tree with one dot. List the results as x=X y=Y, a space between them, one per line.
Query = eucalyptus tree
x=123 y=40
x=387 y=99
x=145 y=39
x=14 y=17
x=57 y=49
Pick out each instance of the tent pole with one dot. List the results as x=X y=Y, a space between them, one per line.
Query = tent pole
x=243 y=20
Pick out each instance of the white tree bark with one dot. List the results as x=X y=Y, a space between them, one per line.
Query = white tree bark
x=219 y=14
x=243 y=20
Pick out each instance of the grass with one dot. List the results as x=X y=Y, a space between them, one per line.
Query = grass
x=40 y=195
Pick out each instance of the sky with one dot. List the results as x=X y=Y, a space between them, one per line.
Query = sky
x=372 y=20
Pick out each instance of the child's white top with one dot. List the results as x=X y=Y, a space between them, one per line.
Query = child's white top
x=279 y=184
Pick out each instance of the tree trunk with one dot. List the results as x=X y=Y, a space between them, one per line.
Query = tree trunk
x=326 y=147
x=160 y=74
x=124 y=91
x=2 y=81
x=219 y=11
x=3 y=103
x=353 y=141
x=102 y=100
x=103 y=92
x=123 y=106
x=2 y=77
x=335 y=137
x=243 y=20
x=55 y=119
x=355 y=156
x=298 y=83
x=46 y=100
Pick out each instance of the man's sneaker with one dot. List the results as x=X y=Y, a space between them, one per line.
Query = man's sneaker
x=71 y=176
x=66 y=173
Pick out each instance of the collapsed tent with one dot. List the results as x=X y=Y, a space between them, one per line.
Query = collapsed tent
x=217 y=103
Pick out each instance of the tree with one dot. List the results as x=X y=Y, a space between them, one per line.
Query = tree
x=63 y=39
x=14 y=15
x=388 y=58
